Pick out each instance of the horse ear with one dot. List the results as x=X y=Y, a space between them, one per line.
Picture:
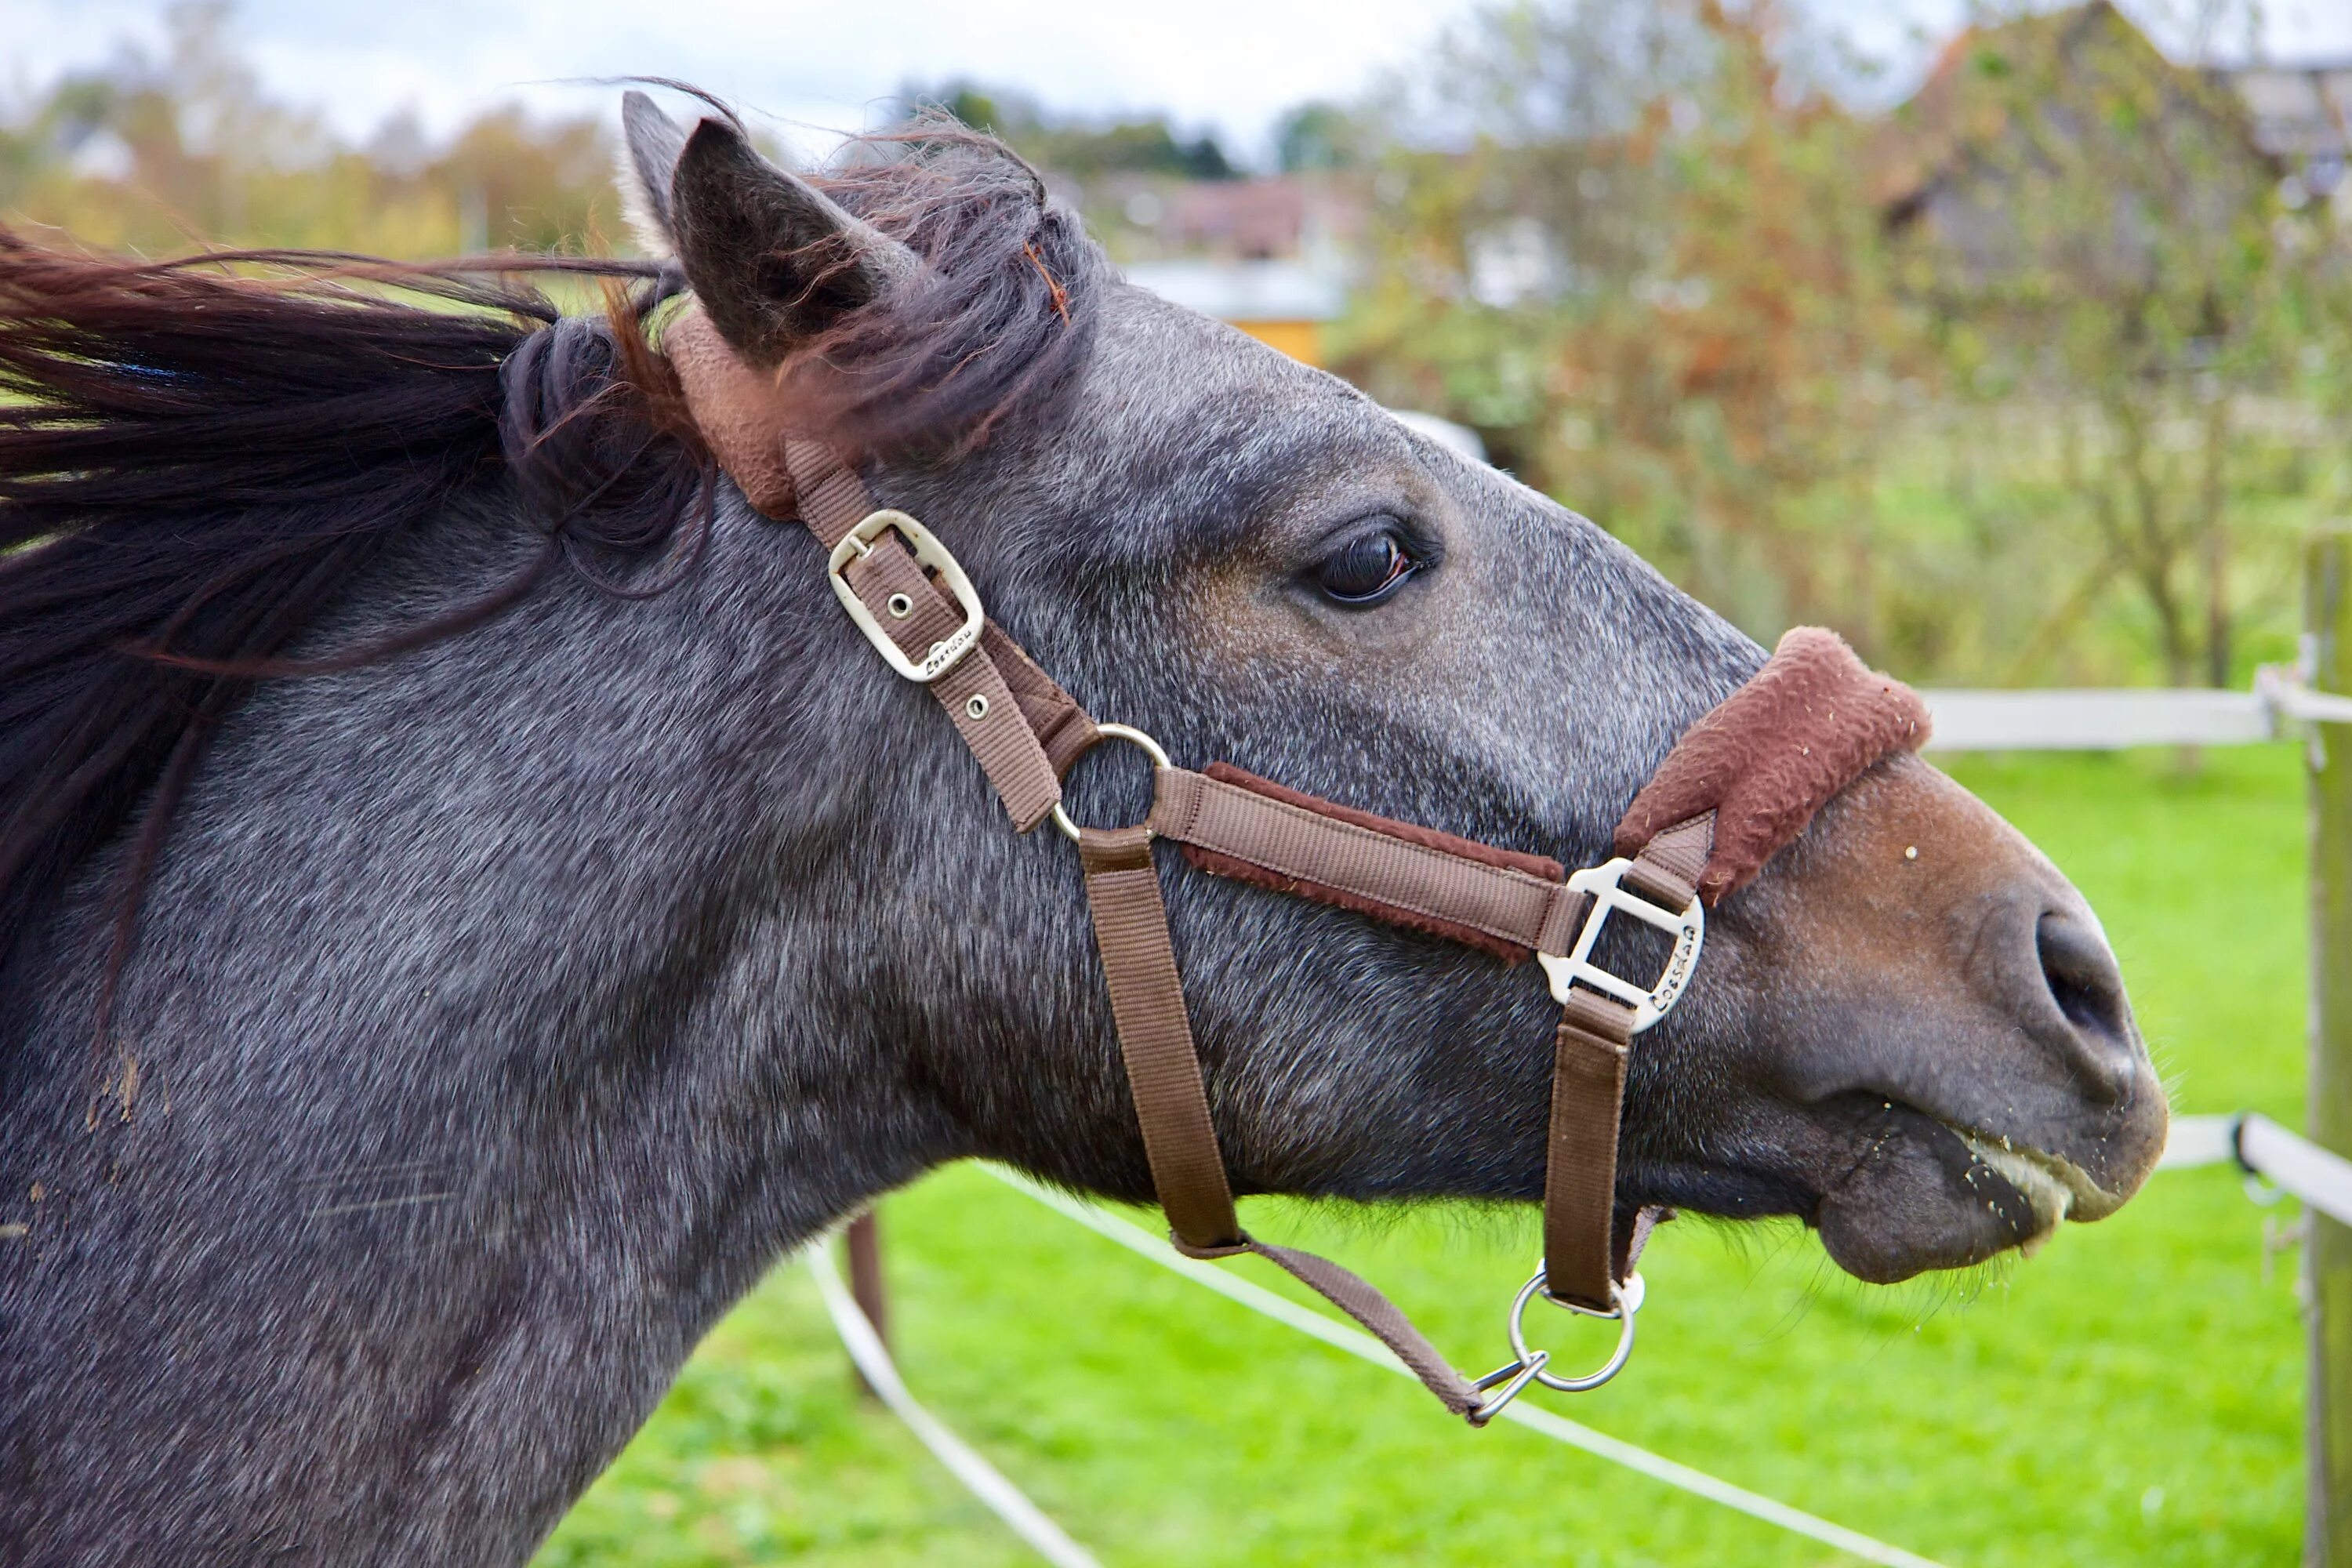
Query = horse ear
x=773 y=259
x=650 y=143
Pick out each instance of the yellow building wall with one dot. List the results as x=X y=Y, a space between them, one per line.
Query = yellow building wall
x=1301 y=341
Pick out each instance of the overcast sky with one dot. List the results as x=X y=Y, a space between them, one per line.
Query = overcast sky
x=1228 y=64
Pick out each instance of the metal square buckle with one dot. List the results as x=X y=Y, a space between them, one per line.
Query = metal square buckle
x=1688 y=930
x=945 y=654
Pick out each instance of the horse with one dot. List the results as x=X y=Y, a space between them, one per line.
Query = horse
x=472 y=902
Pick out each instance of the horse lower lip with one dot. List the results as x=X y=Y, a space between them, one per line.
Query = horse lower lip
x=2057 y=1188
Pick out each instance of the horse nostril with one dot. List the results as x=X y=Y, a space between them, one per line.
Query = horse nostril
x=2082 y=978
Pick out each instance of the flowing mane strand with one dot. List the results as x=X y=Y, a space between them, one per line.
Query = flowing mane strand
x=999 y=314
x=197 y=457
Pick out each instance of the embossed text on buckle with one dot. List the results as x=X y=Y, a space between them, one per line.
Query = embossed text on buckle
x=944 y=654
x=1688 y=929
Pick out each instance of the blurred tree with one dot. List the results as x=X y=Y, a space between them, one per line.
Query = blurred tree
x=1083 y=149
x=1996 y=384
x=547 y=182
x=1657 y=291
x=156 y=154
x=2097 y=237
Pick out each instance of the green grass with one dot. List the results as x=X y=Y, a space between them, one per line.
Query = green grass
x=2132 y=1396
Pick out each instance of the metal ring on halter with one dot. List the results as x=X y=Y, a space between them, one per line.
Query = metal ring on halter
x=1628 y=1300
x=1133 y=737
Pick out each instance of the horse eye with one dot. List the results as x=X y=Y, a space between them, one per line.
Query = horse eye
x=1367 y=569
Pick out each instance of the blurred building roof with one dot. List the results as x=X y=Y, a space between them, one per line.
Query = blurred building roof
x=2297 y=109
x=2081 y=94
x=1244 y=292
x=1245 y=220
x=1319 y=217
x=2298 y=116
x=1968 y=104
x=2302 y=115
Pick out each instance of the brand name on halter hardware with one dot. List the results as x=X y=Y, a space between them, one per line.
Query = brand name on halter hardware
x=1604 y=884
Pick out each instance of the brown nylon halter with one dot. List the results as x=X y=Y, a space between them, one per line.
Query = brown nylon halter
x=906 y=592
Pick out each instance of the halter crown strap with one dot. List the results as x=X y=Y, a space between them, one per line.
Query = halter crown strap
x=1023 y=729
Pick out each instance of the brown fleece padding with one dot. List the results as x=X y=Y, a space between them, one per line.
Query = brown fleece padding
x=1812 y=720
x=1411 y=833
x=737 y=409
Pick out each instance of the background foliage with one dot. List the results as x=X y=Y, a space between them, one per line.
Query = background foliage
x=2039 y=376
x=160 y=154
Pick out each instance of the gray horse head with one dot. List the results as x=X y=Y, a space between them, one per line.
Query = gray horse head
x=1284 y=576
x=519 y=996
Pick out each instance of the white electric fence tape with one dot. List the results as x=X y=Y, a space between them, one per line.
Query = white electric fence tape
x=1362 y=1346
x=2293 y=1164
x=2297 y=1166
x=2199 y=1140
x=2106 y=718
x=982 y=1479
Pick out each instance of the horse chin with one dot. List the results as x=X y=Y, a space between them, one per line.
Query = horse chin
x=1924 y=1193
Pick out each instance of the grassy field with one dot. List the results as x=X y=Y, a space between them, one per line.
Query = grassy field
x=2132 y=1396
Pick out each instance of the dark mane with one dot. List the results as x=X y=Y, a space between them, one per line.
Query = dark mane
x=197 y=457
x=1001 y=313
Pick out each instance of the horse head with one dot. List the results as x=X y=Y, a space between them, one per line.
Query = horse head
x=1909 y=1031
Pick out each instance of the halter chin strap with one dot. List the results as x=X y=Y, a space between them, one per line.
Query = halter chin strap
x=1741 y=785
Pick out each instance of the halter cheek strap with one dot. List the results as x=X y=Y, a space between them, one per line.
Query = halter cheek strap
x=1022 y=728
x=1742 y=786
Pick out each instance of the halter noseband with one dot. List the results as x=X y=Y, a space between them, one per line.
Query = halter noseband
x=1737 y=788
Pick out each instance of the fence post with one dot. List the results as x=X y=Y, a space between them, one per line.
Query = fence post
x=866 y=1278
x=2327 y=1255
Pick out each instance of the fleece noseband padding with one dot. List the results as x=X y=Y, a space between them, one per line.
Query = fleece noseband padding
x=1767 y=757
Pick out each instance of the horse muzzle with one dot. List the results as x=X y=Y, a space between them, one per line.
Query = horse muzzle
x=1977 y=1077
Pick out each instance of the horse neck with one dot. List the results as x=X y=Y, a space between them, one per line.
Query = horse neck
x=470 y=1062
